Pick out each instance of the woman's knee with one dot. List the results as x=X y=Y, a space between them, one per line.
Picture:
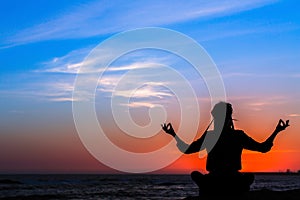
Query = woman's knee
x=196 y=176
x=249 y=178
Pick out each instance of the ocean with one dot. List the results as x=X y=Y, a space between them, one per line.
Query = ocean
x=116 y=186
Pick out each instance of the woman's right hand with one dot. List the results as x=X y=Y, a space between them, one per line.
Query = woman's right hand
x=168 y=129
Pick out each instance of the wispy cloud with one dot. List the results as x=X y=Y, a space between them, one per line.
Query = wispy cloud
x=137 y=65
x=62 y=89
x=108 y=84
x=262 y=102
x=58 y=91
x=141 y=104
x=261 y=75
x=293 y=115
x=236 y=28
x=69 y=63
x=74 y=63
x=144 y=92
x=106 y=17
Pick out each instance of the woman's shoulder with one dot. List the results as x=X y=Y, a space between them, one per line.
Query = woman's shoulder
x=239 y=132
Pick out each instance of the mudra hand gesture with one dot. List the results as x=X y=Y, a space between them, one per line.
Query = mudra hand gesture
x=168 y=129
x=282 y=125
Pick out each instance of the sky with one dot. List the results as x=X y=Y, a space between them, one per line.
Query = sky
x=254 y=44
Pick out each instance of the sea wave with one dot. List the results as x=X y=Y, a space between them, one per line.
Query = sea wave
x=115 y=186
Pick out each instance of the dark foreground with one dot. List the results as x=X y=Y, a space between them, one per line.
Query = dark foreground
x=258 y=195
x=253 y=195
x=133 y=186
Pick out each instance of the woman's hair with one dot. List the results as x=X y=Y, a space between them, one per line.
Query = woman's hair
x=223 y=111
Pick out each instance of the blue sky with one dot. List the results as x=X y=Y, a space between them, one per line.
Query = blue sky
x=245 y=38
x=254 y=43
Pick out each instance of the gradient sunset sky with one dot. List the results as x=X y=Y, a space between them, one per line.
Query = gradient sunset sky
x=255 y=45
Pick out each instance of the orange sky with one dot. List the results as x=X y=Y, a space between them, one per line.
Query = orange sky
x=59 y=149
x=254 y=45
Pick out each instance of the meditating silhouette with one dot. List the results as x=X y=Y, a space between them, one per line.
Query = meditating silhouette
x=224 y=155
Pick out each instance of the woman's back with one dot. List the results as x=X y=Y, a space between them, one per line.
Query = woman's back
x=226 y=154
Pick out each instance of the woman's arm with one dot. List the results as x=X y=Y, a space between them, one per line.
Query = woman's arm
x=266 y=146
x=182 y=146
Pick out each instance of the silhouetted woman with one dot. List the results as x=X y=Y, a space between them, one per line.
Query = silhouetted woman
x=224 y=146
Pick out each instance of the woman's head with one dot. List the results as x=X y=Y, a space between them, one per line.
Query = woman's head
x=222 y=113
